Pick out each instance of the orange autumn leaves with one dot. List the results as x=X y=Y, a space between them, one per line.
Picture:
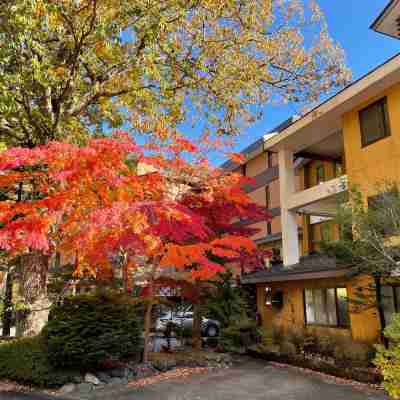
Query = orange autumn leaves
x=94 y=205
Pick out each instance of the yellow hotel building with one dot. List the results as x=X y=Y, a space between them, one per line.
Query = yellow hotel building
x=300 y=169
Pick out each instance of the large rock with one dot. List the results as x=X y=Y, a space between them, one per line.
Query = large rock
x=164 y=364
x=67 y=388
x=103 y=376
x=90 y=378
x=115 y=381
x=119 y=372
x=144 y=370
x=84 y=388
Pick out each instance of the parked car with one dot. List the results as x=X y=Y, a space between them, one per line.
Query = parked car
x=184 y=319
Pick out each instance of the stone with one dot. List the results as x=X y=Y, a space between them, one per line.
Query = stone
x=90 y=378
x=164 y=365
x=144 y=370
x=77 y=379
x=84 y=387
x=67 y=388
x=131 y=374
x=119 y=372
x=115 y=381
x=103 y=376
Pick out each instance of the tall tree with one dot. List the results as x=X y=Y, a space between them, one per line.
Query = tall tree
x=73 y=67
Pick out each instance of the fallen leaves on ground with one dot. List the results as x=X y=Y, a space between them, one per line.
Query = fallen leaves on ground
x=9 y=386
x=340 y=381
x=178 y=373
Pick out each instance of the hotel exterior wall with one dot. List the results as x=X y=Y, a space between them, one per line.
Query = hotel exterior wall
x=364 y=324
x=380 y=161
x=256 y=165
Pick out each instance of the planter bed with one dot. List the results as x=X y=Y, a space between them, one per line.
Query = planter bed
x=364 y=375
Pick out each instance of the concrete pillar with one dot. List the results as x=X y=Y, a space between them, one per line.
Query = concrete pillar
x=290 y=237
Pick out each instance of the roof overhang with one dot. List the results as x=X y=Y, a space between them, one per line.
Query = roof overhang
x=326 y=119
x=297 y=276
x=388 y=22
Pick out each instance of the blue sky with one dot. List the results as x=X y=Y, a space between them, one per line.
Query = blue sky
x=349 y=22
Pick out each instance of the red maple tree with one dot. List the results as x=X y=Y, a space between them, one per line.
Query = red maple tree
x=153 y=213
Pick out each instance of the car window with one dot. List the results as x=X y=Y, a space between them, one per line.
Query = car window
x=188 y=315
x=180 y=314
x=166 y=315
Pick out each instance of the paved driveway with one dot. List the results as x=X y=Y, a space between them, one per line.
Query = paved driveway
x=251 y=380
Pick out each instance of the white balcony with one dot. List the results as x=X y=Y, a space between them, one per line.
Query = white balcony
x=320 y=200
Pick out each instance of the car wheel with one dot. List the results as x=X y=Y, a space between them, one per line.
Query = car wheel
x=212 y=331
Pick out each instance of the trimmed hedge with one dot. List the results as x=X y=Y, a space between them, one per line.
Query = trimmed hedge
x=25 y=361
x=85 y=331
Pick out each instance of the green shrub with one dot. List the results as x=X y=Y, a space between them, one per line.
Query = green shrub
x=226 y=303
x=326 y=345
x=288 y=348
x=85 y=331
x=356 y=353
x=388 y=360
x=239 y=335
x=25 y=361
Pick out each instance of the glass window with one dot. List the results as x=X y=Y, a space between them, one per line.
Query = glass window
x=338 y=169
x=327 y=307
x=320 y=174
x=267 y=197
x=310 y=308
x=269 y=159
x=374 y=122
x=326 y=232
x=388 y=302
x=342 y=307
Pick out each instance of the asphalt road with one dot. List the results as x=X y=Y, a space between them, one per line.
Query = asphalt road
x=250 y=380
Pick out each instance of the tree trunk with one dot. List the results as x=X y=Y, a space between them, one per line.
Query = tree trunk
x=381 y=313
x=197 y=317
x=32 y=285
x=147 y=330
x=8 y=305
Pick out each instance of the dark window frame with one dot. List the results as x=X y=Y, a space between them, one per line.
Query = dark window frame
x=383 y=106
x=339 y=324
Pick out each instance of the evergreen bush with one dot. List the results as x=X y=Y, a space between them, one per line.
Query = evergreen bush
x=85 y=331
x=25 y=361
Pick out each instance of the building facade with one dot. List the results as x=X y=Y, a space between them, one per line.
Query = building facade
x=352 y=139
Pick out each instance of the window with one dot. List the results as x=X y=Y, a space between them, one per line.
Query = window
x=267 y=197
x=244 y=169
x=269 y=228
x=269 y=159
x=326 y=307
x=338 y=169
x=320 y=174
x=374 y=122
x=390 y=302
x=326 y=232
